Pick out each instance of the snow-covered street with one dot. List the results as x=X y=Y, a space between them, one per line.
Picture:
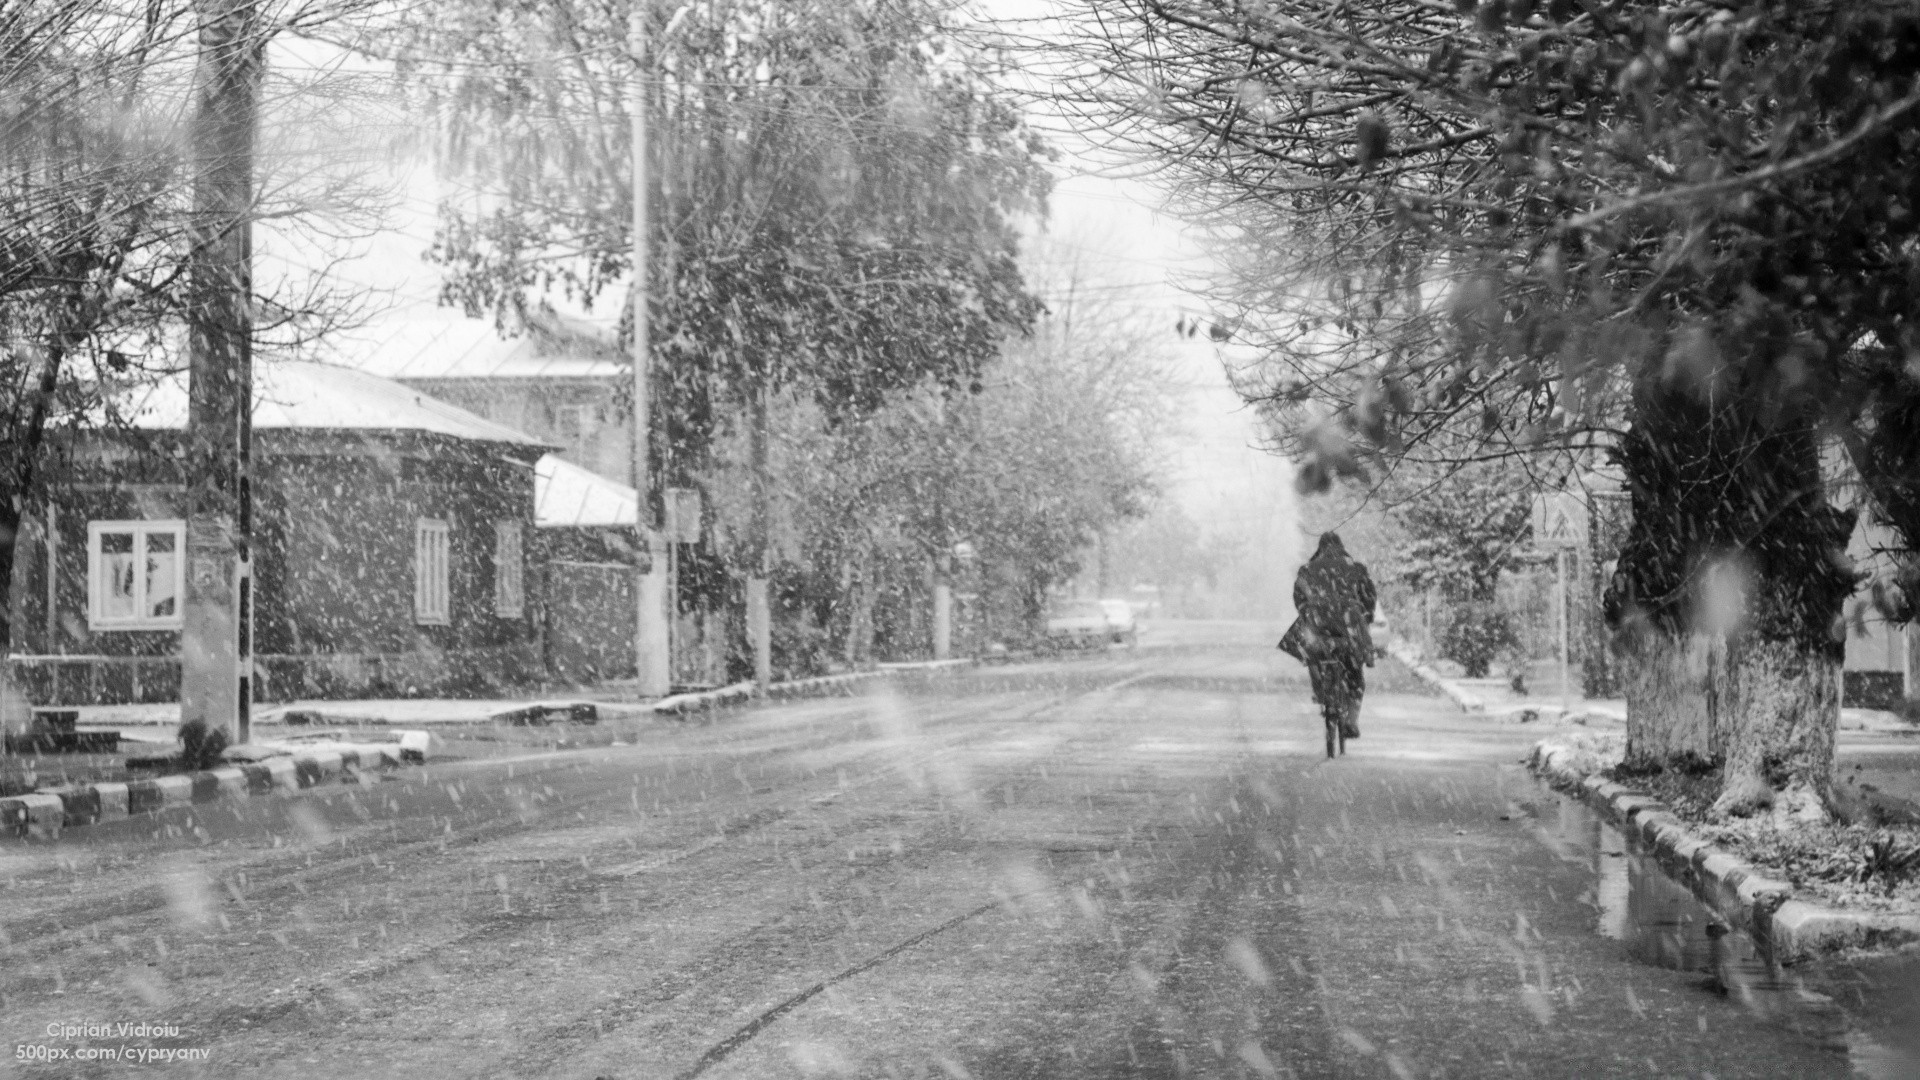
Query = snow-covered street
x=1125 y=864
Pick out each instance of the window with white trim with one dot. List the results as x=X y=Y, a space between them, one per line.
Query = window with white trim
x=509 y=590
x=576 y=423
x=136 y=574
x=430 y=562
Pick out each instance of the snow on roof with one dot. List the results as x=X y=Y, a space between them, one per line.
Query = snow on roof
x=441 y=345
x=566 y=495
x=301 y=394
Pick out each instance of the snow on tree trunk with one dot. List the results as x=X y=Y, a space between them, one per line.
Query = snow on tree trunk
x=1670 y=701
x=1783 y=710
x=16 y=713
x=1732 y=537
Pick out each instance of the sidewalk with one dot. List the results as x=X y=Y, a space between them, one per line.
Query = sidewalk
x=137 y=721
x=1877 y=752
x=304 y=743
x=1497 y=699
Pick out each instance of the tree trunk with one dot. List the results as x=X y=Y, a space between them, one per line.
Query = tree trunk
x=860 y=614
x=1783 y=710
x=1732 y=537
x=1033 y=605
x=942 y=608
x=1671 y=715
x=759 y=613
x=15 y=712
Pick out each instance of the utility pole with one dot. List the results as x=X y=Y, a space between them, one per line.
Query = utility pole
x=759 y=613
x=943 y=606
x=216 y=646
x=653 y=651
x=1560 y=608
x=942 y=562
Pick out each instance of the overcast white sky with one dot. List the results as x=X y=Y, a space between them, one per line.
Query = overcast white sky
x=1218 y=473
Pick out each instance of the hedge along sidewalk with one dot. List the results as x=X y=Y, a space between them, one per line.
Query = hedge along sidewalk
x=46 y=813
x=1791 y=928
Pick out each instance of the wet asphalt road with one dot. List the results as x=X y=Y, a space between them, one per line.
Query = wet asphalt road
x=1138 y=864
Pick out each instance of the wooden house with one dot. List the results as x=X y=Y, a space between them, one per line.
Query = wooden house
x=393 y=548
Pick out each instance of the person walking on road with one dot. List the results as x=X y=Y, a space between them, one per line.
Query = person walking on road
x=1335 y=599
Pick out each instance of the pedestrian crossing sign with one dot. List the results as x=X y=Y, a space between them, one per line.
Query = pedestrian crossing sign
x=1559 y=521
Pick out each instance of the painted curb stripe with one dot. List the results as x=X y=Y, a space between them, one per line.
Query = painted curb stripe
x=22 y=815
x=281 y=773
x=113 y=800
x=174 y=789
x=206 y=787
x=51 y=811
x=306 y=772
x=144 y=795
x=232 y=780
x=80 y=806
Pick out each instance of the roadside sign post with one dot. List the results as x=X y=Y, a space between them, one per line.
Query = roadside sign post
x=1560 y=526
x=1560 y=606
x=680 y=525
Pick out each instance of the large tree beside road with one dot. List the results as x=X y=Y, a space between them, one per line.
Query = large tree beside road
x=1682 y=234
x=835 y=195
x=92 y=232
x=106 y=226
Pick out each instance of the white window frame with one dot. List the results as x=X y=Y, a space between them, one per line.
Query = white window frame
x=509 y=569
x=584 y=420
x=432 y=572
x=97 y=617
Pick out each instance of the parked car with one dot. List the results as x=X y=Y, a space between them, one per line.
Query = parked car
x=1120 y=621
x=1078 y=622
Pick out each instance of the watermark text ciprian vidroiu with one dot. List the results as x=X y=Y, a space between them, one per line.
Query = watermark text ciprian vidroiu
x=117 y=1051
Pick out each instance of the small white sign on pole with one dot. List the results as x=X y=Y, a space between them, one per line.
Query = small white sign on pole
x=1559 y=522
x=682 y=525
x=1560 y=526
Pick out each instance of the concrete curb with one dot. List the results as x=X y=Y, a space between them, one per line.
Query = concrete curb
x=1404 y=653
x=1765 y=907
x=821 y=686
x=46 y=813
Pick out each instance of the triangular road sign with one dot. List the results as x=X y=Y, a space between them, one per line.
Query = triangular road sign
x=1559 y=521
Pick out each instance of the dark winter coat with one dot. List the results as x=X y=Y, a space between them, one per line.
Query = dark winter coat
x=1335 y=598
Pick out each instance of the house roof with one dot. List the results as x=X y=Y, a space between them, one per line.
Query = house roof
x=303 y=395
x=439 y=345
x=566 y=495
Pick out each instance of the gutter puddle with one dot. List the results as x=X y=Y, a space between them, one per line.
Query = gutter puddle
x=1660 y=922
